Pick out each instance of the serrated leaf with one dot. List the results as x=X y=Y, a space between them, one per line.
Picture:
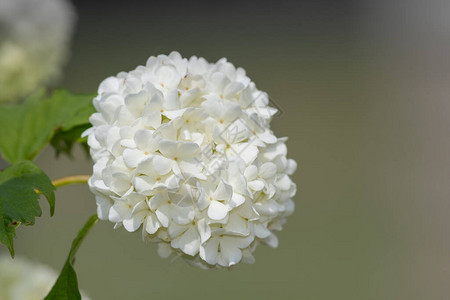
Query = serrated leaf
x=19 y=198
x=66 y=286
x=28 y=127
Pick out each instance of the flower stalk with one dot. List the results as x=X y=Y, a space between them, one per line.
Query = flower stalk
x=67 y=180
x=70 y=180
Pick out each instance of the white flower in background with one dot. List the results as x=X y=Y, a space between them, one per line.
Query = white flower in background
x=34 y=37
x=21 y=279
x=183 y=149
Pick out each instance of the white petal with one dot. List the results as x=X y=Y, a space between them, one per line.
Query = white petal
x=143 y=184
x=282 y=163
x=261 y=231
x=171 y=101
x=204 y=230
x=237 y=225
x=290 y=206
x=220 y=81
x=151 y=224
x=110 y=84
x=247 y=211
x=182 y=215
x=119 y=211
x=223 y=191
x=120 y=183
x=247 y=99
x=157 y=200
x=146 y=167
x=217 y=210
x=272 y=241
x=145 y=141
x=167 y=131
x=241 y=242
x=292 y=166
x=239 y=183
x=128 y=143
x=174 y=230
x=168 y=148
x=230 y=254
x=167 y=75
x=136 y=102
x=188 y=242
x=187 y=149
x=191 y=168
x=284 y=183
x=267 y=137
x=163 y=217
x=256 y=185
x=236 y=200
x=103 y=206
x=247 y=152
x=247 y=257
x=203 y=200
x=251 y=172
x=233 y=89
x=139 y=206
x=269 y=208
x=162 y=165
x=268 y=170
x=152 y=119
x=188 y=96
x=154 y=104
x=164 y=250
x=173 y=114
x=132 y=157
x=208 y=252
x=134 y=222
x=231 y=112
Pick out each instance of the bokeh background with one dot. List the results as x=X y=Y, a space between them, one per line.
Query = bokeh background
x=363 y=87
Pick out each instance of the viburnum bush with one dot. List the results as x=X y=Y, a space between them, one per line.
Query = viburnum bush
x=34 y=44
x=182 y=150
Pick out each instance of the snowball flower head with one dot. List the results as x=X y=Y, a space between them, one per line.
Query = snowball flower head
x=34 y=38
x=21 y=279
x=183 y=149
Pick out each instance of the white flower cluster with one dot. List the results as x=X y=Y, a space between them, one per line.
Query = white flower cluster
x=184 y=148
x=21 y=279
x=34 y=38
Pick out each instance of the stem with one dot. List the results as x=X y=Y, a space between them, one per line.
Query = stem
x=80 y=237
x=67 y=180
x=70 y=180
x=66 y=286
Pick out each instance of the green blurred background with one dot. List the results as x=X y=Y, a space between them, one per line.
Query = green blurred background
x=363 y=87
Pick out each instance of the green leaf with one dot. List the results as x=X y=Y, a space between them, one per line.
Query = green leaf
x=63 y=141
x=27 y=128
x=19 y=198
x=66 y=286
